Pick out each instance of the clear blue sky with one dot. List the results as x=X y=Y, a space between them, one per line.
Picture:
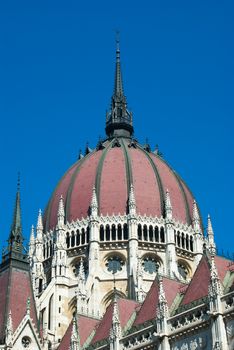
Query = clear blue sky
x=56 y=80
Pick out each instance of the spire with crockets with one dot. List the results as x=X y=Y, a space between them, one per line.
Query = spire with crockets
x=15 y=240
x=118 y=119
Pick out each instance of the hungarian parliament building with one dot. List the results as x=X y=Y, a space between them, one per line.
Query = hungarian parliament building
x=119 y=259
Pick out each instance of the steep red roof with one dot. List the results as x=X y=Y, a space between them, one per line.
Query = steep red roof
x=86 y=326
x=222 y=265
x=112 y=170
x=15 y=289
x=198 y=287
x=4 y=280
x=126 y=309
x=148 y=309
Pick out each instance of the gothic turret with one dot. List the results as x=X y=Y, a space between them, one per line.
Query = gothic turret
x=81 y=292
x=31 y=243
x=210 y=237
x=115 y=331
x=168 y=206
x=74 y=342
x=118 y=119
x=15 y=240
x=94 y=203
x=9 y=332
x=162 y=315
x=61 y=213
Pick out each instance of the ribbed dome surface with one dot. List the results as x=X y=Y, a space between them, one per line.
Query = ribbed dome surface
x=112 y=169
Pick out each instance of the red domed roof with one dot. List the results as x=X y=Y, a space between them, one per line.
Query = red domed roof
x=112 y=169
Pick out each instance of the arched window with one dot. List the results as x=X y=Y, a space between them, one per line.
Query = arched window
x=113 y=232
x=182 y=240
x=47 y=250
x=72 y=239
x=184 y=269
x=76 y=266
x=87 y=235
x=156 y=235
x=40 y=287
x=139 y=232
x=125 y=231
x=44 y=251
x=77 y=238
x=83 y=236
x=162 y=235
x=51 y=248
x=178 y=238
x=145 y=233
x=175 y=237
x=101 y=233
x=191 y=243
x=151 y=238
x=187 y=242
x=107 y=232
x=119 y=232
x=68 y=240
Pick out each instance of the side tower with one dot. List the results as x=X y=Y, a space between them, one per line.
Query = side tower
x=18 y=317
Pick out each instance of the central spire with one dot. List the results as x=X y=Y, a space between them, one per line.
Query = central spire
x=118 y=119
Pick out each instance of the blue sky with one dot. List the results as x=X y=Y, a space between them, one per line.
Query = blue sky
x=56 y=80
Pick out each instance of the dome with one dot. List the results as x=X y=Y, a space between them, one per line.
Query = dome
x=116 y=164
x=112 y=167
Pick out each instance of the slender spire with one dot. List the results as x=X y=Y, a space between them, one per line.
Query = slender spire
x=81 y=292
x=118 y=119
x=39 y=226
x=31 y=242
x=162 y=302
x=118 y=88
x=196 y=218
x=215 y=286
x=94 y=203
x=74 y=343
x=210 y=237
x=15 y=241
x=168 y=206
x=116 y=331
x=9 y=330
x=132 y=201
x=61 y=212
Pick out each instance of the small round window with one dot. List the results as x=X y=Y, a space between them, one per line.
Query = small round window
x=150 y=264
x=114 y=264
x=26 y=341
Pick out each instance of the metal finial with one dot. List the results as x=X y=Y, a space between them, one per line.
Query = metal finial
x=18 y=182
x=117 y=40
